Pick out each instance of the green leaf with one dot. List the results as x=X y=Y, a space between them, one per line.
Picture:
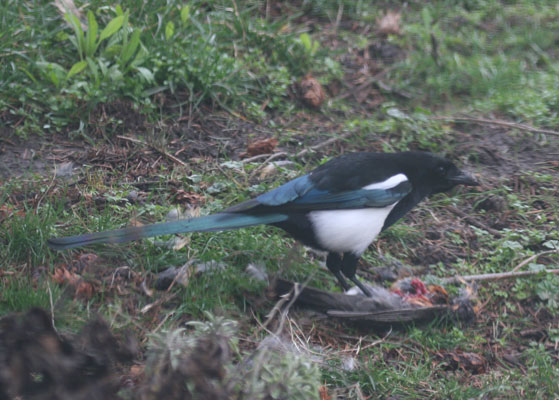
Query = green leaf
x=185 y=14
x=93 y=68
x=114 y=73
x=426 y=17
x=78 y=32
x=141 y=57
x=118 y=10
x=76 y=68
x=306 y=41
x=169 y=30
x=112 y=27
x=130 y=48
x=91 y=36
x=146 y=74
x=103 y=67
x=125 y=28
x=314 y=47
x=55 y=72
x=54 y=78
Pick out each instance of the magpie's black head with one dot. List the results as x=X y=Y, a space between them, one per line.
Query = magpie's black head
x=436 y=174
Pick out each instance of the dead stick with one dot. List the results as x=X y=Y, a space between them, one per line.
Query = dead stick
x=259 y=156
x=499 y=122
x=532 y=258
x=325 y=143
x=273 y=156
x=475 y=222
x=163 y=152
x=497 y=276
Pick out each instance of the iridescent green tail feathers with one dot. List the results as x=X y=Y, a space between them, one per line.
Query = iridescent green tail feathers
x=216 y=222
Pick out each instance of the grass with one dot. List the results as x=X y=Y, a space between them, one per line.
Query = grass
x=200 y=80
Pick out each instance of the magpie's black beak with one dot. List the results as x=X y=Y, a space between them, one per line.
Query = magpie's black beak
x=464 y=179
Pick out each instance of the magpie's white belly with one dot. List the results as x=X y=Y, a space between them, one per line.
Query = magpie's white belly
x=348 y=230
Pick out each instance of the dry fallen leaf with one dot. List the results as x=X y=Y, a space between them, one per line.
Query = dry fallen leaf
x=82 y=289
x=323 y=392
x=311 y=92
x=86 y=262
x=188 y=197
x=137 y=370
x=389 y=24
x=263 y=146
x=466 y=361
x=63 y=276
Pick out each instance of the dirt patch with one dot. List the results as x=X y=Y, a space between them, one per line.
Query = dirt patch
x=502 y=152
x=19 y=157
x=37 y=362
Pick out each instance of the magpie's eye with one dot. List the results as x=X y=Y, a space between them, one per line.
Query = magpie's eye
x=441 y=169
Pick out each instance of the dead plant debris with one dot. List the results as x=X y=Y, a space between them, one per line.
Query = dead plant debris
x=311 y=92
x=262 y=146
x=36 y=362
x=389 y=23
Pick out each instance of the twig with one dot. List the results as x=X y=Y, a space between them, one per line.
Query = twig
x=259 y=156
x=339 y=16
x=475 y=222
x=300 y=154
x=288 y=298
x=158 y=302
x=497 y=276
x=499 y=122
x=374 y=80
x=49 y=187
x=532 y=258
x=165 y=318
x=323 y=144
x=163 y=152
x=51 y=302
x=273 y=156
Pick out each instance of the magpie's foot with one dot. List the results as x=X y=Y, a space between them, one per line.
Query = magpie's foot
x=366 y=291
x=342 y=280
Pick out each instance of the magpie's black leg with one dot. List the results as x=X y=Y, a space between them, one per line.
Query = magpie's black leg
x=349 y=267
x=334 y=264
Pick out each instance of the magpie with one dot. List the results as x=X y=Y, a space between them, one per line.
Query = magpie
x=340 y=207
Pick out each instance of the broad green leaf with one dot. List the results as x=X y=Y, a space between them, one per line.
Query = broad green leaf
x=145 y=73
x=76 y=68
x=154 y=90
x=78 y=32
x=306 y=41
x=55 y=72
x=125 y=28
x=114 y=73
x=91 y=36
x=54 y=78
x=103 y=67
x=169 y=29
x=118 y=10
x=44 y=66
x=141 y=57
x=111 y=28
x=93 y=68
x=426 y=17
x=113 y=50
x=314 y=47
x=130 y=48
x=185 y=14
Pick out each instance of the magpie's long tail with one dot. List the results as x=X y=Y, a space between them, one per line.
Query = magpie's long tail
x=215 y=222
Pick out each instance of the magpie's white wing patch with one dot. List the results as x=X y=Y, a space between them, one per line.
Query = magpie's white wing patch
x=348 y=230
x=353 y=230
x=389 y=183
